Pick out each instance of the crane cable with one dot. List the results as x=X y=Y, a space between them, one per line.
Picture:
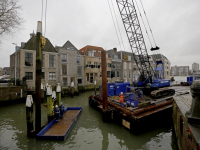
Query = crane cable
x=45 y=16
x=143 y=23
x=114 y=25
x=118 y=25
x=158 y=53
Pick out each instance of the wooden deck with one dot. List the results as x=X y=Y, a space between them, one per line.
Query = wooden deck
x=63 y=125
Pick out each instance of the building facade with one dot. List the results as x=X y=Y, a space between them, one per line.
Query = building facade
x=130 y=71
x=116 y=66
x=24 y=59
x=92 y=65
x=6 y=70
x=195 y=66
x=1 y=71
x=71 y=65
x=180 y=70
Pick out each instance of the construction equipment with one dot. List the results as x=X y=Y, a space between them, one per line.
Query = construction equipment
x=149 y=79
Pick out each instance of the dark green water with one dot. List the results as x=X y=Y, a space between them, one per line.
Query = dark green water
x=89 y=132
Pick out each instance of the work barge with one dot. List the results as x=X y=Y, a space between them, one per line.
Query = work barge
x=137 y=116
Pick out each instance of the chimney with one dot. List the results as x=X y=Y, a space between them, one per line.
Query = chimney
x=23 y=44
x=115 y=50
x=32 y=34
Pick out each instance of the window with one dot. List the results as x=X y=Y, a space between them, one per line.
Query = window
x=28 y=59
x=95 y=76
x=91 y=77
x=87 y=76
x=52 y=61
x=43 y=75
x=108 y=74
x=79 y=71
x=78 y=59
x=64 y=57
x=125 y=74
x=115 y=57
x=112 y=74
x=129 y=58
x=89 y=64
x=109 y=65
x=91 y=53
x=52 y=75
x=117 y=73
x=129 y=65
x=29 y=75
x=79 y=81
x=118 y=66
x=113 y=66
x=99 y=51
x=95 y=64
x=125 y=65
x=64 y=69
x=94 y=51
x=129 y=74
x=65 y=81
x=43 y=60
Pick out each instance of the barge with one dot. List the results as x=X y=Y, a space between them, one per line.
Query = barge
x=60 y=131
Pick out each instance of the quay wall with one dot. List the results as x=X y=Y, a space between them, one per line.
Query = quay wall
x=184 y=133
x=11 y=94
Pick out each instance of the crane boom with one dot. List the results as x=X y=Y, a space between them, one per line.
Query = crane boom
x=136 y=40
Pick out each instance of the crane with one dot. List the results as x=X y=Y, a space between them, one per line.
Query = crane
x=151 y=80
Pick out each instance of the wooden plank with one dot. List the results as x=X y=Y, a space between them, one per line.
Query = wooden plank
x=61 y=128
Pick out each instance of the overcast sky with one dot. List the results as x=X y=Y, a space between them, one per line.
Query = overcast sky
x=175 y=25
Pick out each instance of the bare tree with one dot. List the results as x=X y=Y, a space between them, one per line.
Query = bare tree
x=10 y=19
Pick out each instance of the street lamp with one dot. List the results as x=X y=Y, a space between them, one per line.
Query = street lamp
x=15 y=60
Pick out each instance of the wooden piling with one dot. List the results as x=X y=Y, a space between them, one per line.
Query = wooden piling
x=29 y=115
x=38 y=78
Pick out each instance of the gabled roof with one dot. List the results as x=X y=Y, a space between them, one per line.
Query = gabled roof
x=69 y=45
x=84 y=50
x=31 y=45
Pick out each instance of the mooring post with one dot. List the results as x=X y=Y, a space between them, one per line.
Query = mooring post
x=49 y=103
x=29 y=114
x=194 y=115
x=95 y=87
x=104 y=86
x=38 y=78
x=54 y=101
x=58 y=93
x=42 y=92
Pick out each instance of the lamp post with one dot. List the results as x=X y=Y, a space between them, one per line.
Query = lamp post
x=15 y=60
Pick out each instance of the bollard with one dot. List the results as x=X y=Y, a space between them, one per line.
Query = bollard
x=58 y=94
x=193 y=114
x=29 y=115
x=54 y=100
x=42 y=92
x=49 y=103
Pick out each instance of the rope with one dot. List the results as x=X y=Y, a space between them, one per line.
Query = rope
x=114 y=24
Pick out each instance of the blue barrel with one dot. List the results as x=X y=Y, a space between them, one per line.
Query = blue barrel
x=191 y=78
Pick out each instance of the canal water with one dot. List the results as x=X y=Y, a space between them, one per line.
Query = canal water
x=88 y=133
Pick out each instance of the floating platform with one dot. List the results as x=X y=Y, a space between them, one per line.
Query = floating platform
x=150 y=112
x=54 y=131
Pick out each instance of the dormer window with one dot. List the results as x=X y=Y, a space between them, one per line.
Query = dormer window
x=91 y=53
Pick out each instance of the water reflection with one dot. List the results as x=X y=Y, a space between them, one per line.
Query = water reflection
x=89 y=132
